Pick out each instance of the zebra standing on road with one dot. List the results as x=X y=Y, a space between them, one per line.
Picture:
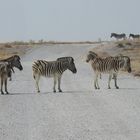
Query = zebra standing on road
x=14 y=61
x=111 y=65
x=118 y=36
x=5 y=71
x=53 y=69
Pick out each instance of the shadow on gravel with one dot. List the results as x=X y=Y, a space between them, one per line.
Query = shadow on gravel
x=73 y=92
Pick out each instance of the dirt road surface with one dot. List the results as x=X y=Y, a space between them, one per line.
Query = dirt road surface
x=78 y=113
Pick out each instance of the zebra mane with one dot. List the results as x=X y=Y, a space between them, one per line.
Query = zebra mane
x=67 y=58
x=93 y=53
x=11 y=58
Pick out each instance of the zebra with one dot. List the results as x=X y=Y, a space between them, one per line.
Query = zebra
x=53 y=69
x=134 y=36
x=118 y=36
x=5 y=71
x=111 y=65
x=14 y=61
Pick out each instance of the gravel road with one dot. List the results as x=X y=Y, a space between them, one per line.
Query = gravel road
x=79 y=113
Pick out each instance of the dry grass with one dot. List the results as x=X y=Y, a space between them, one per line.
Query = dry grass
x=20 y=47
x=7 y=50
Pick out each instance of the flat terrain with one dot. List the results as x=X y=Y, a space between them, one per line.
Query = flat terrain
x=79 y=113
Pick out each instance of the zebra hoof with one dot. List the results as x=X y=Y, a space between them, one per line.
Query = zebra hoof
x=60 y=90
x=54 y=91
x=2 y=93
x=7 y=92
x=38 y=91
x=117 y=87
x=109 y=88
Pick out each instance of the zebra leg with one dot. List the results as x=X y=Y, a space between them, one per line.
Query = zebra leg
x=54 y=90
x=5 y=82
x=2 y=85
x=96 y=81
x=59 y=82
x=115 y=80
x=10 y=78
x=109 y=80
x=37 y=78
x=100 y=76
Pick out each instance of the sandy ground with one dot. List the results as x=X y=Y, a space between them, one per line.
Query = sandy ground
x=79 y=113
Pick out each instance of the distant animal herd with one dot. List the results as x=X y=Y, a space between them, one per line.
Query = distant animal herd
x=55 y=69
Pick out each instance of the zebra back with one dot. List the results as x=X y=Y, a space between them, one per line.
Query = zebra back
x=14 y=61
x=68 y=58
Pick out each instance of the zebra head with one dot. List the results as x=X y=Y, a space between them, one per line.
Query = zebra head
x=91 y=56
x=71 y=65
x=15 y=62
x=131 y=35
x=112 y=34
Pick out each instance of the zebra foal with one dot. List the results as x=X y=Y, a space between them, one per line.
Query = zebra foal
x=110 y=65
x=5 y=72
x=53 y=69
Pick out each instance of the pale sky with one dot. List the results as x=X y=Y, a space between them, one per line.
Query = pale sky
x=67 y=20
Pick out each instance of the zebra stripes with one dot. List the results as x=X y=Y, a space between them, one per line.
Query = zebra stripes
x=118 y=36
x=111 y=65
x=53 y=69
x=6 y=69
x=134 y=36
x=14 y=61
x=5 y=72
